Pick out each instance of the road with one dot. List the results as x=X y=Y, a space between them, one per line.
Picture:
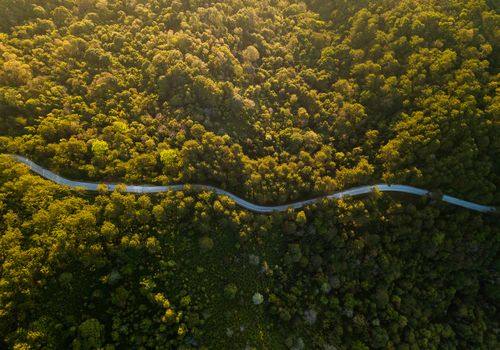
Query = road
x=356 y=191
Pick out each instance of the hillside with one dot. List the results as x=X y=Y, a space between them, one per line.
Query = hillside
x=276 y=101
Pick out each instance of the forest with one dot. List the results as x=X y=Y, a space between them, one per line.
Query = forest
x=275 y=101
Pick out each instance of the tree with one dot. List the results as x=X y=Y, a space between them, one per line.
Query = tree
x=301 y=218
x=206 y=244
x=100 y=149
x=90 y=335
x=15 y=73
x=230 y=291
x=250 y=54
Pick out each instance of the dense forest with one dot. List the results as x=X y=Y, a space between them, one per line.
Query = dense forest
x=276 y=101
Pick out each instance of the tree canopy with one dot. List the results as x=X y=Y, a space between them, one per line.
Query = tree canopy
x=275 y=100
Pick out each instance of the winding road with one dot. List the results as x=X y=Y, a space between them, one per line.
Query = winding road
x=356 y=191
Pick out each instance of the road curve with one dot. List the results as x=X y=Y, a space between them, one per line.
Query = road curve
x=356 y=191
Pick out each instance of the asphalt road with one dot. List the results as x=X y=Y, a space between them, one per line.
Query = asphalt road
x=356 y=191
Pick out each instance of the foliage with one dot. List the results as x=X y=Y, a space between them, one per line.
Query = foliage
x=276 y=101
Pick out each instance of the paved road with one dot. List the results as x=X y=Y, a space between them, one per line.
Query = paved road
x=356 y=191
